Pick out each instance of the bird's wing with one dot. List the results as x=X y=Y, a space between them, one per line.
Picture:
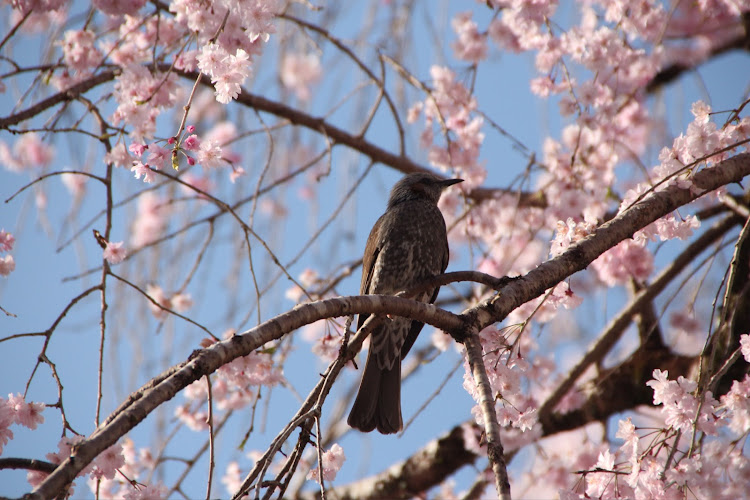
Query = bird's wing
x=416 y=326
x=372 y=249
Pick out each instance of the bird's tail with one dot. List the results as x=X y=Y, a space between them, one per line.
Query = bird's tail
x=378 y=402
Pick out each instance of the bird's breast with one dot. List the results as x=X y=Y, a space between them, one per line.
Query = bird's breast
x=412 y=247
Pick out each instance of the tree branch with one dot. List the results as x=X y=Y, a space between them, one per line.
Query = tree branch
x=424 y=469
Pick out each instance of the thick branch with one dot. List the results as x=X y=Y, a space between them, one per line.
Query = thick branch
x=519 y=291
x=578 y=256
x=206 y=361
x=616 y=327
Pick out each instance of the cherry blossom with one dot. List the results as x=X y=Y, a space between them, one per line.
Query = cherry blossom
x=333 y=460
x=745 y=343
x=79 y=51
x=628 y=260
x=107 y=463
x=299 y=72
x=23 y=413
x=119 y=156
x=7 y=265
x=115 y=253
x=209 y=155
x=471 y=45
x=28 y=152
x=150 y=221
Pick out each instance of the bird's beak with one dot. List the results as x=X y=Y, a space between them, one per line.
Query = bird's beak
x=449 y=182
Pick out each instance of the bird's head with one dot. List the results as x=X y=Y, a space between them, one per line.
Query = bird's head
x=419 y=186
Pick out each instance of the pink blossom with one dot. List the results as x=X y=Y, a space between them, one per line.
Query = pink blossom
x=105 y=465
x=701 y=139
x=118 y=156
x=299 y=72
x=141 y=96
x=236 y=173
x=601 y=484
x=150 y=220
x=471 y=45
x=257 y=368
x=563 y=296
x=192 y=143
x=26 y=414
x=196 y=420
x=212 y=59
x=258 y=19
x=232 y=477
x=414 y=111
x=156 y=491
x=43 y=13
x=222 y=133
x=543 y=86
x=307 y=278
x=567 y=233
x=669 y=227
x=701 y=111
x=159 y=157
x=79 y=51
x=526 y=419
x=7 y=240
x=626 y=432
x=114 y=253
x=28 y=152
x=441 y=340
x=333 y=459
x=64 y=449
x=181 y=302
x=745 y=346
x=137 y=149
x=210 y=155
x=6 y=419
x=502 y=34
x=139 y=169
x=159 y=298
x=228 y=72
x=625 y=261
x=327 y=346
x=75 y=183
x=737 y=402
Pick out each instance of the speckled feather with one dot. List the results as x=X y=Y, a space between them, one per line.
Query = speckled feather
x=407 y=245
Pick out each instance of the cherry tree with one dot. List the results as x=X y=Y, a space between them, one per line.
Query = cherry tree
x=188 y=185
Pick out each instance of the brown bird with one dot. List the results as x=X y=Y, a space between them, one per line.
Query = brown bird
x=407 y=245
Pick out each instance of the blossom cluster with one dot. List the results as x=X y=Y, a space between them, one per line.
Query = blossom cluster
x=333 y=460
x=28 y=153
x=7 y=264
x=235 y=386
x=516 y=410
x=101 y=472
x=15 y=410
x=451 y=106
x=699 y=470
x=115 y=473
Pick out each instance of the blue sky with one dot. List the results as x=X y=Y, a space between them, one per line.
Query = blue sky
x=41 y=286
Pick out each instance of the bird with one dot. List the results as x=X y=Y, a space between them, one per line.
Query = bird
x=407 y=245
